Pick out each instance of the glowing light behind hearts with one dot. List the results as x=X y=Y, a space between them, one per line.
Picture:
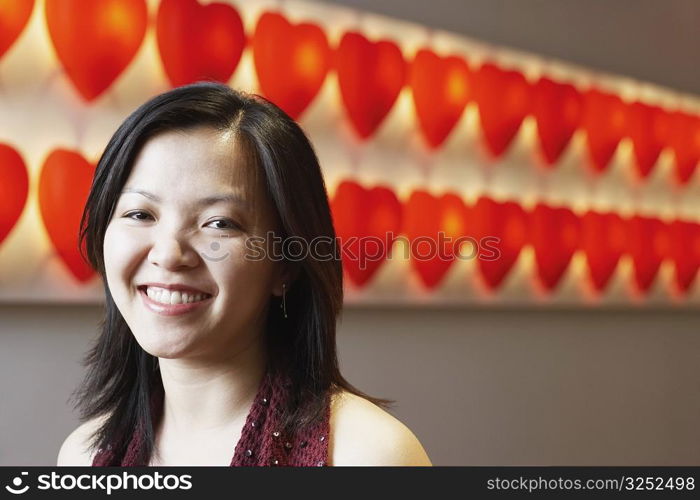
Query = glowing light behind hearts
x=95 y=44
x=425 y=104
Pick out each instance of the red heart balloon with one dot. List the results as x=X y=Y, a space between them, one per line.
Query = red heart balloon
x=433 y=226
x=504 y=99
x=14 y=16
x=64 y=185
x=370 y=76
x=441 y=88
x=14 y=187
x=604 y=122
x=199 y=42
x=291 y=61
x=647 y=245
x=367 y=221
x=501 y=231
x=557 y=108
x=603 y=240
x=95 y=41
x=684 y=251
x=684 y=139
x=556 y=233
x=648 y=127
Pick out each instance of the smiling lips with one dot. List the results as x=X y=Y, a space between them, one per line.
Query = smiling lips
x=170 y=302
x=165 y=296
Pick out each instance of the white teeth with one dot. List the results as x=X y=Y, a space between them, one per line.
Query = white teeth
x=175 y=297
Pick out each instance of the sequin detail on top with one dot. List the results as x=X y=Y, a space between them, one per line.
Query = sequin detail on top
x=261 y=442
x=266 y=442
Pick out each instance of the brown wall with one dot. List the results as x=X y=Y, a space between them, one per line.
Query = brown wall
x=477 y=387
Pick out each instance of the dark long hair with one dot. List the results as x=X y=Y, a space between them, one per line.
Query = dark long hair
x=121 y=378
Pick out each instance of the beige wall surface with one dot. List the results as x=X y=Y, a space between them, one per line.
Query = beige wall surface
x=477 y=387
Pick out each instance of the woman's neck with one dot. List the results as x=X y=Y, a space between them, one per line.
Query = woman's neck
x=202 y=398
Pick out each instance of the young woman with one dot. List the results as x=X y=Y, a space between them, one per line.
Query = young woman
x=218 y=341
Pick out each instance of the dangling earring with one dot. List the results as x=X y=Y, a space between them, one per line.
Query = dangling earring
x=283 y=305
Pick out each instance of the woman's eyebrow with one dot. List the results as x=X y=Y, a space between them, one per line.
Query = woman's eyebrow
x=206 y=201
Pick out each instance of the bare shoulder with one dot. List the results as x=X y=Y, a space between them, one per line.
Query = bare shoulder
x=74 y=450
x=364 y=434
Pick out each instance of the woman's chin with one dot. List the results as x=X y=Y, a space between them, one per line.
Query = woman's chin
x=162 y=348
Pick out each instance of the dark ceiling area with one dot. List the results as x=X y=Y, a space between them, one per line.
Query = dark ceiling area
x=650 y=40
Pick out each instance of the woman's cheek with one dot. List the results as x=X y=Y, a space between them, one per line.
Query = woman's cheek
x=243 y=279
x=120 y=249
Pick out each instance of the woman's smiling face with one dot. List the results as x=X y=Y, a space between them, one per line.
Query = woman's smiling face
x=182 y=220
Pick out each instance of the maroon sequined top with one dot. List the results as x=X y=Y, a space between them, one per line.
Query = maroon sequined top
x=261 y=442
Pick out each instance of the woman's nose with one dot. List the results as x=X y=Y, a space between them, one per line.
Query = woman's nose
x=172 y=253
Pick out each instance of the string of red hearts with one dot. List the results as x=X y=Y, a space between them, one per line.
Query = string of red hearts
x=292 y=61
x=368 y=221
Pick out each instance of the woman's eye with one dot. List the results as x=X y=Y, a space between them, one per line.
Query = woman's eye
x=131 y=215
x=140 y=215
x=225 y=224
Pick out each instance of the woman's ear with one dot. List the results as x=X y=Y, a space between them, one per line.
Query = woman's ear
x=287 y=276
